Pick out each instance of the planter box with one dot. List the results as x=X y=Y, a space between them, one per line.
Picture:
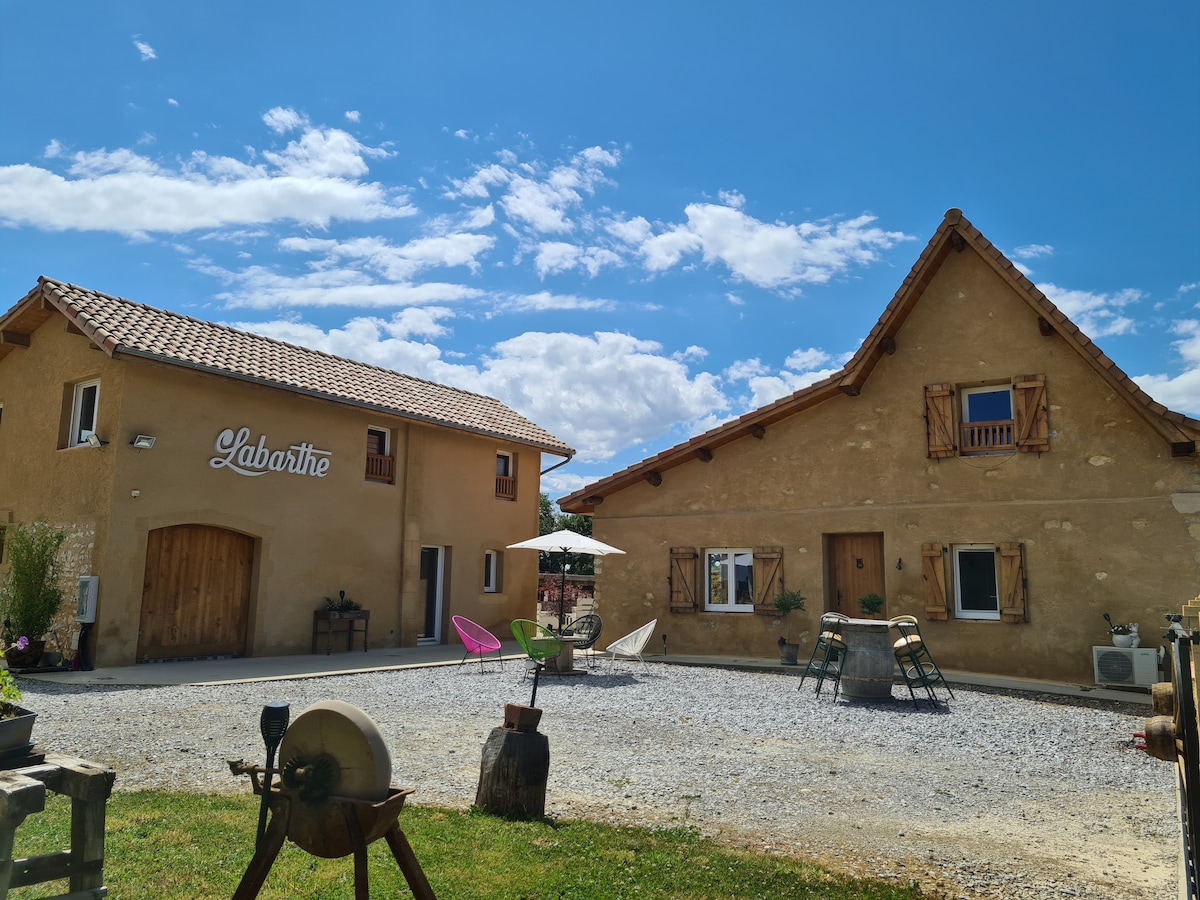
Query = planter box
x=16 y=733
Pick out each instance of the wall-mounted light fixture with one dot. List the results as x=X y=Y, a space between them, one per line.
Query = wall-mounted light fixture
x=900 y=563
x=93 y=440
x=143 y=441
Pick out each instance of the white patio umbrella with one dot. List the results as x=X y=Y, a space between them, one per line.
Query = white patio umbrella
x=564 y=542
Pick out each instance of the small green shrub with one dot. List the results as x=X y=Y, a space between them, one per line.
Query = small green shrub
x=31 y=593
x=871 y=604
x=341 y=604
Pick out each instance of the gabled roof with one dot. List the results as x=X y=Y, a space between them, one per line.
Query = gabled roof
x=122 y=328
x=954 y=235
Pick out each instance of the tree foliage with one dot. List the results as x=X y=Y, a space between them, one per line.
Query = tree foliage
x=32 y=592
x=550 y=520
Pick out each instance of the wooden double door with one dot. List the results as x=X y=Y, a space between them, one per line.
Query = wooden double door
x=855 y=567
x=196 y=593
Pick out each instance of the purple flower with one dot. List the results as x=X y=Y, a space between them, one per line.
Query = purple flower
x=22 y=642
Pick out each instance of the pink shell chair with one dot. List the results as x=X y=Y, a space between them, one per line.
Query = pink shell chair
x=477 y=640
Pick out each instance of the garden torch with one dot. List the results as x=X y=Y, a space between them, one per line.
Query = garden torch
x=273 y=723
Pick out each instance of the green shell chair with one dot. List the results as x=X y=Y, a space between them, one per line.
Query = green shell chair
x=539 y=644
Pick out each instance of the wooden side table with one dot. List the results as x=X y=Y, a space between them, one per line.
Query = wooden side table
x=331 y=618
x=23 y=792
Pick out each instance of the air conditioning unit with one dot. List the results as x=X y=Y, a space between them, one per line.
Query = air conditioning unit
x=1126 y=666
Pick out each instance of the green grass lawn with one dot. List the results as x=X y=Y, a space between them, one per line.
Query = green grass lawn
x=169 y=846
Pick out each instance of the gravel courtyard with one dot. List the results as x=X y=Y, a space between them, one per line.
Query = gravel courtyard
x=992 y=795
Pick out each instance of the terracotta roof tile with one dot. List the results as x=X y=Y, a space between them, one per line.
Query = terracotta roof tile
x=122 y=327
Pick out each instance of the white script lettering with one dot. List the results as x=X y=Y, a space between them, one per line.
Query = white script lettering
x=237 y=453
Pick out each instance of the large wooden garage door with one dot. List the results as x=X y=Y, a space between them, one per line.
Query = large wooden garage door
x=196 y=596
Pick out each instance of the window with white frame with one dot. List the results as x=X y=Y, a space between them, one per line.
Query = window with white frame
x=83 y=412
x=492 y=569
x=729 y=580
x=976 y=586
x=506 y=475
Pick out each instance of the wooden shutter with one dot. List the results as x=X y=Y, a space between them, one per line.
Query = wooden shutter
x=768 y=579
x=939 y=420
x=1012 y=582
x=684 y=561
x=1029 y=411
x=933 y=570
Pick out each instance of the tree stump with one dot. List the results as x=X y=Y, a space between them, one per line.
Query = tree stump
x=512 y=777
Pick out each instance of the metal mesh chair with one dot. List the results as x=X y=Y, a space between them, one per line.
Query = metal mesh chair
x=915 y=661
x=588 y=627
x=828 y=653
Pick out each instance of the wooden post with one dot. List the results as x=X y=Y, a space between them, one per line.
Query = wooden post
x=513 y=774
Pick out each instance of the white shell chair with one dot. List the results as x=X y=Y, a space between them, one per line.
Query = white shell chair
x=632 y=644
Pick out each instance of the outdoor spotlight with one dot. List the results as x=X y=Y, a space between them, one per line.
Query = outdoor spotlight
x=143 y=441
x=93 y=440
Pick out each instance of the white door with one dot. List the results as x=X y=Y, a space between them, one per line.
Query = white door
x=432 y=561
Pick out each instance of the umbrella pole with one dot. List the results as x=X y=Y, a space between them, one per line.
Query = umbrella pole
x=562 y=592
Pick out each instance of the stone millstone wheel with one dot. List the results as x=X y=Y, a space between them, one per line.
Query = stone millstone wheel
x=332 y=750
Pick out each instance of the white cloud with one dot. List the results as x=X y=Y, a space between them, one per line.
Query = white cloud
x=260 y=287
x=53 y=150
x=544 y=301
x=773 y=256
x=805 y=360
x=282 y=119
x=395 y=262
x=172 y=101
x=1181 y=393
x=146 y=51
x=352 y=115
x=1032 y=251
x=1097 y=315
x=599 y=393
x=313 y=181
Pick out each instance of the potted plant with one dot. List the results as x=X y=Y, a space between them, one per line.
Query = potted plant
x=786 y=602
x=341 y=604
x=871 y=604
x=16 y=722
x=31 y=593
x=1122 y=635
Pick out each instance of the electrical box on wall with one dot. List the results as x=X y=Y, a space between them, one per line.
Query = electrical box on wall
x=85 y=606
x=1125 y=666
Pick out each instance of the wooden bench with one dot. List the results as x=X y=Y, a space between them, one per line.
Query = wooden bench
x=23 y=792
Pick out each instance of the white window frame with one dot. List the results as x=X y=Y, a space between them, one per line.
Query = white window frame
x=387 y=438
x=728 y=603
x=79 y=429
x=491 y=571
x=987 y=389
x=982 y=614
x=510 y=464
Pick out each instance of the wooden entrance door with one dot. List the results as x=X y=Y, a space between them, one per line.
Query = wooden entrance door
x=196 y=594
x=855 y=568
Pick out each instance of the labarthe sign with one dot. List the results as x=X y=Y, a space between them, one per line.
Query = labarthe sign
x=237 y=453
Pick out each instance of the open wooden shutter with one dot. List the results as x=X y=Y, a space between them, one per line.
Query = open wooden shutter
x=939 y=420
x=933 y=570
x=768 y=579
x=684 y=561
x=1012 y=582
x=1029 y=411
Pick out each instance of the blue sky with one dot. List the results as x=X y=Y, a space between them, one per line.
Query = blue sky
x=629 y=221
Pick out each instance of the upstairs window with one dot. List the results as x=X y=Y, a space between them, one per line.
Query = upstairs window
x=381 y=465
x=83 y=412
x=506 y=476
x=987 y=419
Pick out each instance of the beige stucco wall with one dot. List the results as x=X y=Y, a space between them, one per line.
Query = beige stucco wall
x=1098 y=514
x=314 y=536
